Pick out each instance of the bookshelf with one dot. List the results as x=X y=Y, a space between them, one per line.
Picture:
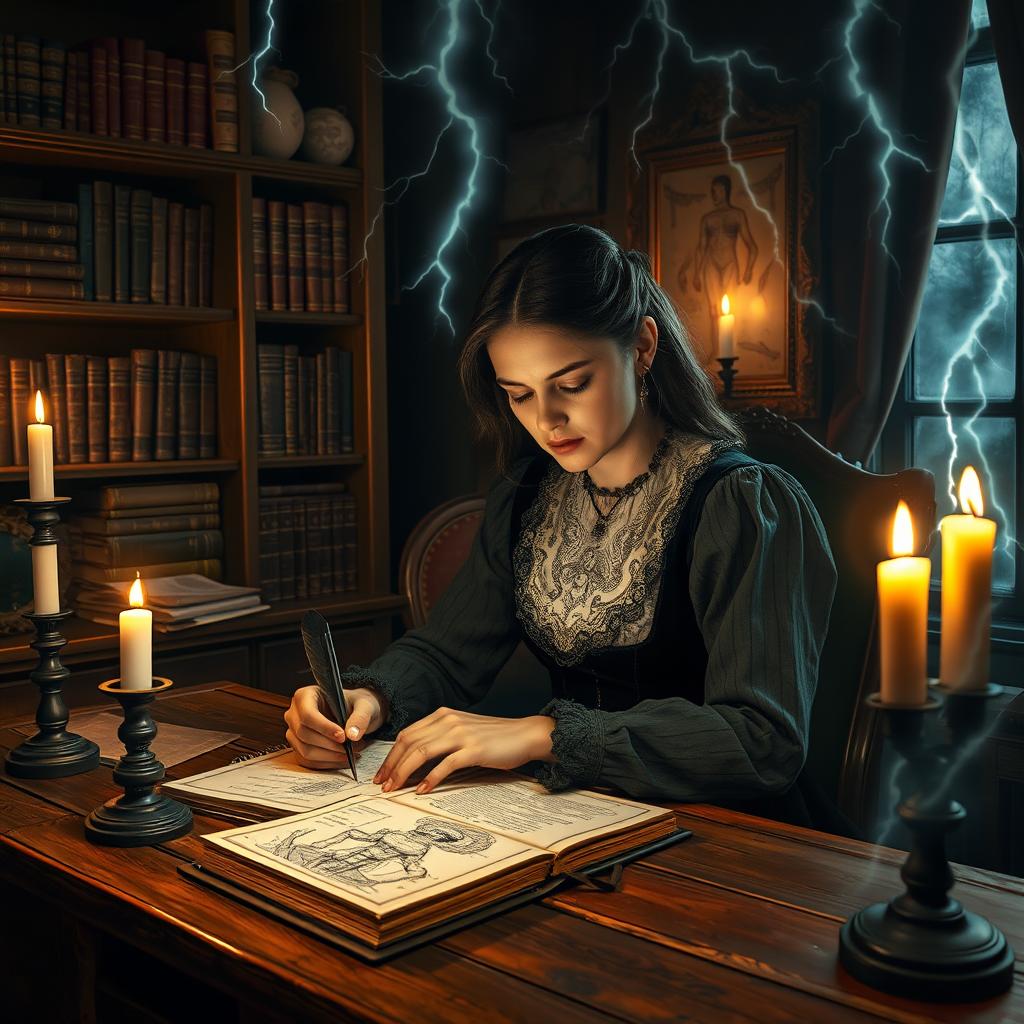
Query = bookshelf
x=325 y=42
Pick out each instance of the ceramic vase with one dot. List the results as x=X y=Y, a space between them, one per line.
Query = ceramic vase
x=277 y=133
x=329 y=137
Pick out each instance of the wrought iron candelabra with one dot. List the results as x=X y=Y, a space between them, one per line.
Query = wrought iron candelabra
x=923 y=943
x=53 y=752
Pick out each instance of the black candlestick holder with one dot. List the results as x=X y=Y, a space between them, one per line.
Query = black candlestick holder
x=53 y=752
x=923 y=943
x=727 y=373
x=141 y=817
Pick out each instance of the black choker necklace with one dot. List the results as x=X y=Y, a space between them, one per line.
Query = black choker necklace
x=600 y=527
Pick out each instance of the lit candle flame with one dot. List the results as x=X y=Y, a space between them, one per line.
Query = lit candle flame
x=725 y=305
x=39 y=407
x=902 y=532
x=970 y=493
x=135 y=596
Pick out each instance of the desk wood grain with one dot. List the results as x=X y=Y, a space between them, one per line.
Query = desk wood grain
x=739 y=923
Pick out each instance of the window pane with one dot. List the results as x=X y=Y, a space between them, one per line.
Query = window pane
x=971 y=287
x=982 y=142
x=979 y=13
x=932 y=448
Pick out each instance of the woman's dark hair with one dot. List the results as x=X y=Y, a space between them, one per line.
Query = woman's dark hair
x=578 y=278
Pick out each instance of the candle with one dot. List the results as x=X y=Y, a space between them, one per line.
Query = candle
x=40 y=456
x=903 y=616
x=726 y=324
x=967 y=544
x=136 y=626
x=45 y=591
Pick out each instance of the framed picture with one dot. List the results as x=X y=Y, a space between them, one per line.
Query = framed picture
x=736 y=223
x=554 y=169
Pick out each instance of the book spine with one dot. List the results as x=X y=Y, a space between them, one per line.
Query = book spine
x=351 y=543
x=155 y=498
x=71 y=91
x=13 y=250
x=339 y=257
x=324 y=560
x=311 y=255
x=40 y=210
x=85 y=241
x=120 y=392
x=210 y=567
x=313 y=544
x=51 y=84
x=143 y=384
x=188 y=406
x=20 y=401
x=196 y=116
x=100 y=527
x=36 y=382
x=269 y=574
x=299 y=548
x=103 y=232
x=113 y=49
x=11 y=77
x=141 y=216
x=40 y=288
x=58 y=406
x=261 y=292
x=42 y=268
x=205 y=255
x=278 y=490
x=270 y=371
x=337 y=510
x=30 y=229
x=278 y=255
x=168 y=367
x=175 y=254
x=301 y=401
x=296 y=259
x=208 y=407
x=28 y=57
x=174 y=114
x=286 y=549
x=77 y=405
x=220 y=62
x=6 y=436
x=345 y=401
x=311 y=400
x=291 y=399
x=323 y=216
x=133 y=88
x=333 y=390
x=156 y=98
x=98 y=86
x=321 y=404
x=122 y=243
x=190 y=274
x=158 y=252
x=96 y=398
x=124 y=550
x=84 y=73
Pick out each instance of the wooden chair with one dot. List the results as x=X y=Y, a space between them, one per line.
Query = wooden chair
x=856 y=508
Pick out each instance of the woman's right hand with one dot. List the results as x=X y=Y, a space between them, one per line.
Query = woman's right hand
x=316 y=738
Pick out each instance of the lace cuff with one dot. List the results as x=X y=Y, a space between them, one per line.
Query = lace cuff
x=577 y=741
x=397 y=713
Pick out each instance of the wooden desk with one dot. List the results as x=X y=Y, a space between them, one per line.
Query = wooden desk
x=740 y=922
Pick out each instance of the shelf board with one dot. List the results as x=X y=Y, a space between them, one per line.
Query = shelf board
x=110 y=312
x=296 y=461
x=269 y=316
x=66 y=148
x=93 y=470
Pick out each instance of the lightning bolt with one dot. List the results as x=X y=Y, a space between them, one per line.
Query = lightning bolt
x=255 y=59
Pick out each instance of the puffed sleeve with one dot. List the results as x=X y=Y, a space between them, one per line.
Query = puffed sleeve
x=762 y=580
x=469 y=635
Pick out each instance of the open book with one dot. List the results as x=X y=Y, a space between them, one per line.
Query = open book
x=379 y=868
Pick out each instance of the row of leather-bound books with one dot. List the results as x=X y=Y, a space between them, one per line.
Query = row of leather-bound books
x=149 y=405
x=300 y=256
x=120 y=88
x=308 y=540
x=115 y=244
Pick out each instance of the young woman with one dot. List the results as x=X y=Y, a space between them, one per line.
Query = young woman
x=677 y=590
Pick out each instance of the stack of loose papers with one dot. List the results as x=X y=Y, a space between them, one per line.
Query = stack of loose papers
x=177 y=602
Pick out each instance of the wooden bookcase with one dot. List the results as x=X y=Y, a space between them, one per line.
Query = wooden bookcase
x=327 y=43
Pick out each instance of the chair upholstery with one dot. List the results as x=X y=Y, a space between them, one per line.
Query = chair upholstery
x=856 y=508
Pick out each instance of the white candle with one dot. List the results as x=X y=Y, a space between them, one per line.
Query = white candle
x=40 y=456
x=45 y=590
x=967 y=544
x=726 y=325
x=136 y=626
x=903 y=616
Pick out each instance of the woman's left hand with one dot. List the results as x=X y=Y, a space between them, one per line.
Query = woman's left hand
x=464 y=740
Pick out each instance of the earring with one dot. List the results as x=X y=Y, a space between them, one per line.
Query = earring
x=643 y=388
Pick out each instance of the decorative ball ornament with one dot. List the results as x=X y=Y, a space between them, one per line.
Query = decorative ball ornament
x=329 y=137
x=277 y=131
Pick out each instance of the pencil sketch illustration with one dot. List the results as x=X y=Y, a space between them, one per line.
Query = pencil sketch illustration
x=388 y=855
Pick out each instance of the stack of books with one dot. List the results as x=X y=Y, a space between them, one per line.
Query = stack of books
x=300 y=256
x=177 y=602
x=121 y=89
x=305 y=401
x=154 y=404
x=39 y=250
x=154 y=529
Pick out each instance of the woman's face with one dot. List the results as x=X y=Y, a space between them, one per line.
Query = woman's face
x=562 y=387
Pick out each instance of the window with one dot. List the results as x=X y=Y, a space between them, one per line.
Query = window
x=967 y=347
